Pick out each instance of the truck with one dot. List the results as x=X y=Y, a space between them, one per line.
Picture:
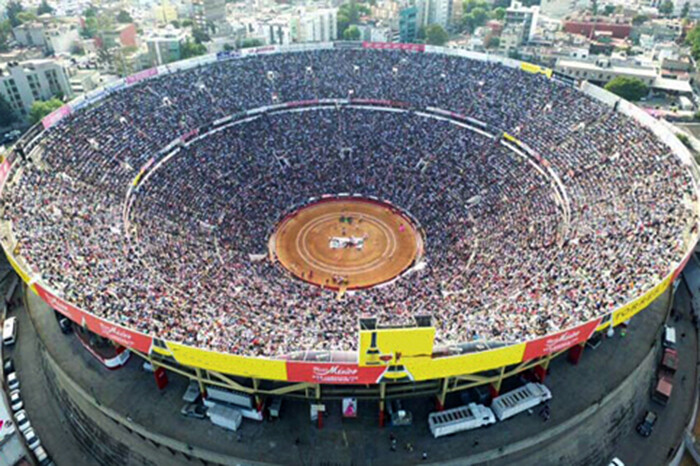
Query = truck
x=519 y=400
x=230 y=396
x=459 y=419
x=223 y=416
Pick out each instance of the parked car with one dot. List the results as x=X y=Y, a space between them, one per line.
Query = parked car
x=22 y=421
x=12 y=381
x=8 y=366
x=15 y=401
x=194 y=410
x=647 y=425
x=11 y=136
x=31 y=438
x=42 y=458
x=65 y=325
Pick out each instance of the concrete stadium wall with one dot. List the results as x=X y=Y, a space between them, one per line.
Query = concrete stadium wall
x=586 y=439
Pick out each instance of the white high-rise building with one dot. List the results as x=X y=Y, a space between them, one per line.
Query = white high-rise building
x=23 y=83
x=435 y=12
x=315 y=25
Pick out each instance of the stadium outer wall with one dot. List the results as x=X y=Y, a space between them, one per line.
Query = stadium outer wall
x=479 y=364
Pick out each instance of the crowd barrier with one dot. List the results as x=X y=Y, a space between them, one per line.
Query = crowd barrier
x=398 y=354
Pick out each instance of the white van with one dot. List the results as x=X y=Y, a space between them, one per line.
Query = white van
x=9 y=331
x=669 y=337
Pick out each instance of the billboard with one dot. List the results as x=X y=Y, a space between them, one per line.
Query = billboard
x=394 y=46
x=630 y=309
x=54 y=117
x=332 y=373
x=559 y=341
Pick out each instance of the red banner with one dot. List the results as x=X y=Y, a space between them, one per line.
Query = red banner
x=332 y=373
x=394 y=46
x=559 y=341
x=118 y=334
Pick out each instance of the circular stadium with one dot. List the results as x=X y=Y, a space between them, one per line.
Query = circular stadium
x=348 y=215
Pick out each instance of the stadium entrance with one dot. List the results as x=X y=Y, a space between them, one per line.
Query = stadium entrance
x=346 y=243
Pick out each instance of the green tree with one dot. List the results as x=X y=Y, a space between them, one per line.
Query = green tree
x=42 y=108
x=26 y=16
x=469 y=5
x=685 y=10
x=12 y=9
x=175 y=23
x=186 y=23
x=349 y=14
x=192 y=49
x=639 y=19
x=494 y=42
x=200 y=36
x=666 y=8
x=693 y=39
x=44 y=8
x=5 y=34
x=124 y=17
x=351 y=33
x=247 y=43
x=7 y=115
x=631 y=89
x=499 y=13
x=609 y=10
x=436 y=35
x=90 y=12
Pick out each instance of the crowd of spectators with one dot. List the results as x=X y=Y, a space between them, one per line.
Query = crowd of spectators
x=508 y=257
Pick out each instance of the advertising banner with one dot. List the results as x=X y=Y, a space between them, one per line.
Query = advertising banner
x=271 y=369
x=530 y=68
x=629 y=310
x=349 y=407
x=116 y=333
x=54 y=117
x=559 y=341
x=302 y=103
x=332 y=373
x=394 y=46
x=141 y=75
x=58 y=304
x=469 y=363
x=227 y=55
x=20 y=271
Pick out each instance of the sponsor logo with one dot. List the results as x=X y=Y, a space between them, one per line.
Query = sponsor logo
x=115 y=333
x=562 y=341
x=334 y=370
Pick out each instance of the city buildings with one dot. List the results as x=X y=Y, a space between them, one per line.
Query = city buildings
x=22 y=83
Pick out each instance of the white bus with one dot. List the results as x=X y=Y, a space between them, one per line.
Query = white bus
x=454 y=420
x=519 y=400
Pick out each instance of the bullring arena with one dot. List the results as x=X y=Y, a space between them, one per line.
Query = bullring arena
x=347 y=243
x=504 y=217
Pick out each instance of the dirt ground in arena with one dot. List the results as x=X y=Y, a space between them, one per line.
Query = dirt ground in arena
x=346 y=244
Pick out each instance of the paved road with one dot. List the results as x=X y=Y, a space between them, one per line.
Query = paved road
x=673 y=418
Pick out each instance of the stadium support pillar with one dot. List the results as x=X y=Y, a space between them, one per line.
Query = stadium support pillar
x=575 y=353
x=382 y=394
x=202 y=391
x=258 y=399
x=440 y=399
x=540 y=372
x=495 y=388
x=318 y=401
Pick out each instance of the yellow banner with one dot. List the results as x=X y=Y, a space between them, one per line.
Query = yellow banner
x=22 y=274
x=228 y=363
x=630 y=309
x=530 y=68
x=468 y=363
x=384 y=347
x=510 y=138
